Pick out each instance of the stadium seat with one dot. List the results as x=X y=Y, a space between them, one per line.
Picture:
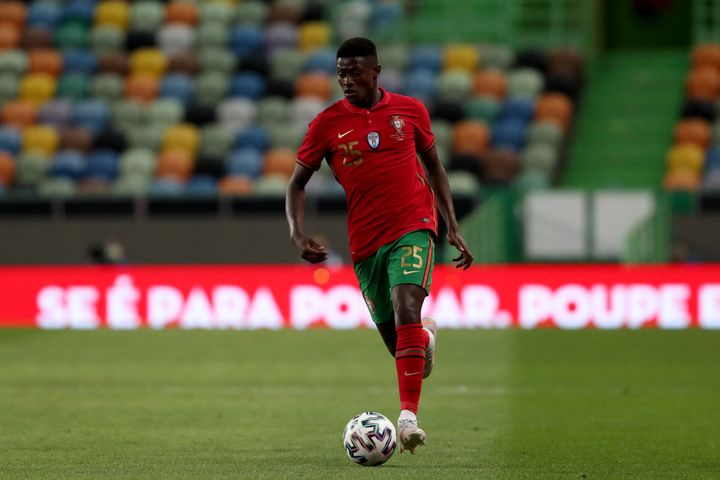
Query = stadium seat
x=169 y=186
x=112 y=13
x=703 y=83
x=215 y=140
x=235 y=185
x=286 y=11
x=483 y=108
x=555 y=107
x=175 y=38
x=693 y=131
x=201 y=186
x=518 y=108
x=13 y=62
x=499 y=57
x=470 y=137
x=57 y=114
x=279 y=161
x=185 y=13
x=454 y=85
x=270 y=186
x=165 y=112
x=421 y=84
x=13 y=13
x=19 y=113
x=687 y=157
x=127 y=114
x=48 y=61
x=79 y=61
x=150 y=61
x=212 y=36
x=237 y=113
x=316 y=84
x=107 y=86
x=706 y=55
x=273 y=109
x=40 y=138
x=210 y=88
x=539 y=157
x=247 y=162
x=10 y=140
x=323 y=60
x=182 y=137
x=247 y=84
x=141 y=87
x=175 y=163
x=139 y=162
x=178 y=86
x=314 y=35
x=76 y=138
x=682 y=180
x=490 y=83
x=146 y=16
x=101 y=164
x=67 y=164
x=246 y=40
x=390 y=80
x=79 y=11
x=71 y=34
x=37 y=88
x=463 y=183
x=131 y=186
x=36 y=37
x=711 y=181
x=44 y=14
x=9 y=37
x=57 y=187
x=426 y=58
x=106 y=38
x=148 y=137
x=31 y=168
x=531 y=180
x=548 y=133
x=525 y=82
x=461 y=57
x=509 y=134
x=217 y=14
x=304 y=109
x=500 y=166
x=286 y=135
x=286 y=64
x=73 y=86
x=253 y=137
x=93 y=115
x=7 y=170
x=8 y=87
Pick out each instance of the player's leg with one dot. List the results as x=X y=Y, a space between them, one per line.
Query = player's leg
x=388 y=334
x=375 y=287
x=409 y=361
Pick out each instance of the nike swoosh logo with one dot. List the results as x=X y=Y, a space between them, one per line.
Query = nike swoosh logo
x=406 y=272
x=411 y=374
x=341 y=135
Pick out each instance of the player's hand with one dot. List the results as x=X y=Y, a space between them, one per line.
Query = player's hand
x=309 y=249
x=465 y=259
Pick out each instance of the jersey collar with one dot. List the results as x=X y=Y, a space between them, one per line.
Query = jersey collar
x=383 y=101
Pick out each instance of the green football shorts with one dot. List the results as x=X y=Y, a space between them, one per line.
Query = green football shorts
x=409 y=259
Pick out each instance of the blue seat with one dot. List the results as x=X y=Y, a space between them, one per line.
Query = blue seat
x=255 y=137
x=281 y=35
x=247 y=84
x=386 y=16
x=421 y=84
x=426 y=58
x=520 y=108
x=79 y=61
x=509 y=133
x=101 y=164
x=202 y=185
x=10 y=140
x=44 y=14
x=166 y=187
x=92 y=115
x=178 y=86
x=245 y=161
x=246 y=40
x=322 y=60
x=57 y=113
x=67 y=164
x=79 y=10
x=712 y=160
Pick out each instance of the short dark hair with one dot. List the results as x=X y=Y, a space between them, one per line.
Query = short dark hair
x=357 y=47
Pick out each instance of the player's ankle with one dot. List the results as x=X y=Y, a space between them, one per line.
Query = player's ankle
x=407 y=416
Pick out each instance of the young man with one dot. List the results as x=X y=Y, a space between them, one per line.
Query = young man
x=372 y=139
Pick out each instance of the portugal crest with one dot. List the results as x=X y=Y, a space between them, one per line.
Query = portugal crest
x=373 y=139
x=398 y=123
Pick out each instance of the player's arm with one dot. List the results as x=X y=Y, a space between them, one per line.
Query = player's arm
x=308 y=248
x=440 y=185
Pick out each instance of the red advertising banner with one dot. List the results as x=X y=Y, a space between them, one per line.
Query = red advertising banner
x=300 y=297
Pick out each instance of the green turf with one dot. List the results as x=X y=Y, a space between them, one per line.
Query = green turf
x=272 y=405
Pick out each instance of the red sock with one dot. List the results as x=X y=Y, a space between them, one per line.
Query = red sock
x=409 y=362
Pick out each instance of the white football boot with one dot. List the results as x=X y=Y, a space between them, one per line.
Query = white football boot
x=410 y=435
x=430 y=326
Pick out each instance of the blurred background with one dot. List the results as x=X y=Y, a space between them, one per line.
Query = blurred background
x=165 y=132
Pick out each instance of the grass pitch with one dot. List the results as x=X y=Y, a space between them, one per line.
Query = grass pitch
x=514 y=404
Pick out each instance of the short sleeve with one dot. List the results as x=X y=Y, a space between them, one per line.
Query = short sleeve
x=313 y=147
x=424 y=137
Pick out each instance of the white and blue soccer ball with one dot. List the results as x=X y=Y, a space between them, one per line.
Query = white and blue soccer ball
x=369 y=439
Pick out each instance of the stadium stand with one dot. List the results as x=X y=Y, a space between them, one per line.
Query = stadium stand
x=200 y=98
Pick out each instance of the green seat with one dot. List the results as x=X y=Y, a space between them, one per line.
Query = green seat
x=286 y=64
x=394 y=57
x=532 y=180
x=215 y=141
x=213 y=59
x=148 y=137
x=454 y=86
x=463 y=182
x=14 y=62
x=73 y=86
x=443 y=133
x=539 y=157
x=131 y=185
x=8 y=87
x=107 y=86
x=286 y=135
x=57 y=187
x=216 y=13
x=251 y=12
x=137 y=162
x=72 y=35
x=482 y=108
x=525 y=82
x=31 y=168
x=548 y=133
x=213 y=35
x=146 y=16
x=499 y=57
x=165 y=112
x=270 y=186
x=106 y=39
x=127 y=114
x=210 y=87
x=273 y=109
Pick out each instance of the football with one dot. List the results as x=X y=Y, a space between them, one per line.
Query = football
x=369 y=439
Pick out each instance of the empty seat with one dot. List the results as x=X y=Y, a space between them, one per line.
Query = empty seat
x=79 y=61
x=142 y=87
x=112 y=13
x=461 y=57
x=175 y=163
x=7 y=169
x=548 y=133
x=57 y=114
x=454 y=85
x=185 y=13
x=36 y=37
x=44 y=14
x=540 y=157
x=79 y=11
x=39 y=138
x=281 y=35
x=462 y=182
x=10 y=139
x=682 y=180
x=421 y=84
x=106 y=38
x=137 y=162
x=8 y=87
x=235 y=185
x=73 y=86
x=499 y=57
x=251 y=12
x=470 y=137
x=173 y=39
x=76 y=138
x=178 y=86
x=509 y=134
x=186 y=62
x=693 y=131
x=37 y=88
x=314 y=35
x=500 y=166
x=483 y=108
x=72 y=34
x=57 y=187
x=247 y=162
x=48 y=61
x=146 y=16
x=490 y=83
x=428 y=58
x=274 y=186
x=247 y=84
x=286 y=64
x=150 y=61
x=166 y=112
x=9 y=37
x=107 y=86
x=525 y=82
x=215 y=141
x=216 y=14
x=237 y=113
x=703 y=83
x=67 y=164
x=304 y=109
x=518 y=108
x=246 y=40
x=102 y=164
x=286 y=135
x=213 y=36
x=13 y=13
x=169 y=186
x=19 y=113
x=13 y=62
x=315 y=84
x=279 y=161
x=182 y=137
x=201 y=186
x=92 y=115
x=273 y=109
x=253 y=137
x=113 y=62
x=687 y=157
x=149 y=137
x=555 y=107
x=706 y=55
x=323 y=60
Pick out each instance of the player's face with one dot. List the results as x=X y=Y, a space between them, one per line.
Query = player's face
x=357 y=77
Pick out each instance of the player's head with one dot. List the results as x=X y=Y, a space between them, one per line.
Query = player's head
x=357 y=70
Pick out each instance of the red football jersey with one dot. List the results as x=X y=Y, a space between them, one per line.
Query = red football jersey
x=373 y=154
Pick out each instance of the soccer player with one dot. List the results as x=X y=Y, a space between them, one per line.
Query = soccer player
x=375 y=141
